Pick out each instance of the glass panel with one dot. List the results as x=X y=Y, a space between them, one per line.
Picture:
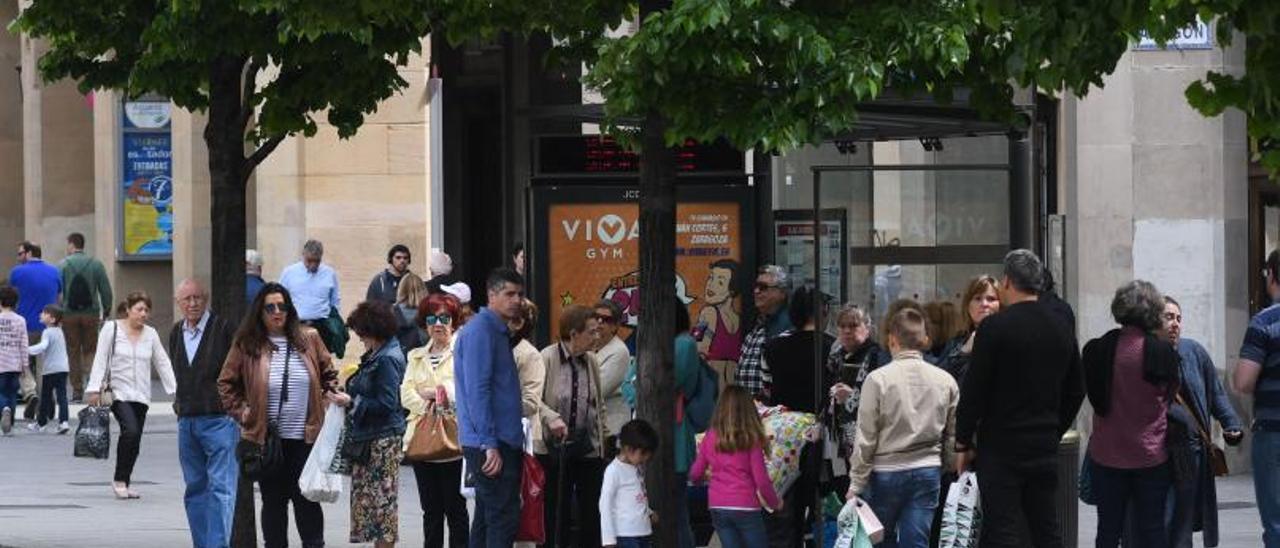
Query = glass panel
x=934 y=208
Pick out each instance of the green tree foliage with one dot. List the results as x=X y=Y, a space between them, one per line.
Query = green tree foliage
x=261 y=69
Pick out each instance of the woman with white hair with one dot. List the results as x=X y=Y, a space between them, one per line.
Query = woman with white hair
x=462 y=292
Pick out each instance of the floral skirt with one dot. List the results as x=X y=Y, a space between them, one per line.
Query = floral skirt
x=374 y=485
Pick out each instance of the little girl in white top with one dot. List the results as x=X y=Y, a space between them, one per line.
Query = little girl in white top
x=625 y=519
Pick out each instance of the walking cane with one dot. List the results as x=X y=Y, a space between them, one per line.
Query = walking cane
x=560 y=502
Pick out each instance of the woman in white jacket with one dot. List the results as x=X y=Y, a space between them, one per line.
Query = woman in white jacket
x=128 y=349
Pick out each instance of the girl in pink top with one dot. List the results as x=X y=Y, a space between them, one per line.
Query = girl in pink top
x=734 y=450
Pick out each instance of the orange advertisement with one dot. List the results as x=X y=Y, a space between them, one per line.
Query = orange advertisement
x=593 y=251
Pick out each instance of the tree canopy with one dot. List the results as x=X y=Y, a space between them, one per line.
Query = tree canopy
x=779 y=74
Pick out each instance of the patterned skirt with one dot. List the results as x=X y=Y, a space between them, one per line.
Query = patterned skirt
x=374 y=485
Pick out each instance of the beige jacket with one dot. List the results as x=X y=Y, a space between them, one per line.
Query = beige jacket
x=906 y=419
x=546 y=407
x=418 y=372
x=533 y=375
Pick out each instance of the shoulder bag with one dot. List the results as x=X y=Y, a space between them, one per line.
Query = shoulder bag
x=259 y=461
x=1217 y=457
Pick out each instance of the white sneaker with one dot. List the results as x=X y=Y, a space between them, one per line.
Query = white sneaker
x=63 y=427
x=34 y=428
x=6 y=421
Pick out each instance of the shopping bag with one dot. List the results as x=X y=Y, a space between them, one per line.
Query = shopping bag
x=849 y=527
x=468 y=484
x=868 y=520
x=339 y=464
x=532 y=502
x=93 y=434
x=316 y=482
x=962 y=514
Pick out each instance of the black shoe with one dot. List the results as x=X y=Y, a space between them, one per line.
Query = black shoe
x=33 y=405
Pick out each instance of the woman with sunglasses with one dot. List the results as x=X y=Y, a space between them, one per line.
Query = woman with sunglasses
x=428 y=384
x=280 y=373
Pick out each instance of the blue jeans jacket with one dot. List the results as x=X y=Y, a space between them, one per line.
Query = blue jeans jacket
x=375 y=392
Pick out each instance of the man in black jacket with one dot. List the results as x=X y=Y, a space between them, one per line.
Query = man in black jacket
x=207 y=436
x=1021 y=394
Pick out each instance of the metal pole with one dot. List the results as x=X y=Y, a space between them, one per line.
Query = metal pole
x=819 y=325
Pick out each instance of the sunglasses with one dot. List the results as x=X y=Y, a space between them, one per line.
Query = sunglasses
x=273 y=308
x=764 y=287
x=604 y=318
x=434 y=319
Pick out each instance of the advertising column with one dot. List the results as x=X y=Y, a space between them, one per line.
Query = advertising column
x=146 y=193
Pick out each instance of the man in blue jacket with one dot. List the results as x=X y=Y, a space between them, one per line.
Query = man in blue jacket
x=489 y=412
x=39 y=284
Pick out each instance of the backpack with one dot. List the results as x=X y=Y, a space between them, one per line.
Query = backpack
x=79 y=294
x=700 y=403
x=697 y=406
x=629 y=384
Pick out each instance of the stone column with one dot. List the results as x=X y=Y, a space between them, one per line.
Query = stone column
x=192 y=229
x=11 y=94
x=1159 y=193
x=58 y=177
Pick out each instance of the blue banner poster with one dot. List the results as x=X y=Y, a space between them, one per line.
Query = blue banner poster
x=148 y=195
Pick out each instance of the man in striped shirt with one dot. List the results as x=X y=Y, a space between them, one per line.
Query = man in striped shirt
x=770 y=294
x=1258 y=374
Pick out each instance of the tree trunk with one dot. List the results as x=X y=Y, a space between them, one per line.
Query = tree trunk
x=654 y=348
x=228 y=171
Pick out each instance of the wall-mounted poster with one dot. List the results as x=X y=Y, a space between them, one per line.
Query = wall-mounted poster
x=146 y=191
x=793 y=249
x=591 y=243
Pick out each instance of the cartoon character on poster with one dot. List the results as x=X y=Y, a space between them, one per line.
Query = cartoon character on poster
x=719 y=326
x=624 y=291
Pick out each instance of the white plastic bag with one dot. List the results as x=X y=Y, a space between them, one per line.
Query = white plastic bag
x=316 y=483
x=962 y=514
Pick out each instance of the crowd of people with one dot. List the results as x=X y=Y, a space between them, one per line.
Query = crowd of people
x=988 y=384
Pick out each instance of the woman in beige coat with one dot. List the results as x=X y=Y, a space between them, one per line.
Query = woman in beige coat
x=572 y=413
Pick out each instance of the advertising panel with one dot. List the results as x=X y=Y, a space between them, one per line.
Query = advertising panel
x=146 y=191
x=592 y=253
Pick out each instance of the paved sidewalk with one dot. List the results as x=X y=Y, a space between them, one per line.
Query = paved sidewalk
x=53 y=500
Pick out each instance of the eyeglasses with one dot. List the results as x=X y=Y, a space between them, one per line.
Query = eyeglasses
x=192 y=299
x=437 y=319
x=605 y=318
x=764 y=287
x=273 y=308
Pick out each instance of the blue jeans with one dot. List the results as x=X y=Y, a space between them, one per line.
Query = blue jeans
x=740 y=528
x=9 y=383
x=207 y=452
x=1144 y=490
x=497 y=507
x=634 y=542
x=905 y=501
x=1266 y=484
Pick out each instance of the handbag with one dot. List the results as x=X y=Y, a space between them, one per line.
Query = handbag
x=1217 y=457
x=107 y=396
x=533 y=523
x=435 y=438
x=261 y=460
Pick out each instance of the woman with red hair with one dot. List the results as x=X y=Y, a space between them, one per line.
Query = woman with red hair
x=428 y=387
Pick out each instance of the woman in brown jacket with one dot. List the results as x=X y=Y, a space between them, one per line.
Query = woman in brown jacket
x=279 y=372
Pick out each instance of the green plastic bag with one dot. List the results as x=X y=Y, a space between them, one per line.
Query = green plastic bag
x=852 y=534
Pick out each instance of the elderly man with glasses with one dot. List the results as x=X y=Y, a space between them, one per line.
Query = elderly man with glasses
x=770 y=293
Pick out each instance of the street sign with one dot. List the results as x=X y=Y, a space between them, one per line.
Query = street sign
x=1198 y=35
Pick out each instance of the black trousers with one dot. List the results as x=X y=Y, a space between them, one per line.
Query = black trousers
x=1018 y=502
x=581 y=482
x=278 y=491
x=54 y=384
x=132 y=417
x=439 y=485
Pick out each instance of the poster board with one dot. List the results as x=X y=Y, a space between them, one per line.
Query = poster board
x=587 y=243
x=793 y=249
x=145 y=191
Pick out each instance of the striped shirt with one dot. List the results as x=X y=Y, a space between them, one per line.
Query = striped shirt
x=291 y=418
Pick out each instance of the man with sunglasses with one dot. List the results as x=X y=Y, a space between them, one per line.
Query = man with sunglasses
x=770 y=293
x=614 y=358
